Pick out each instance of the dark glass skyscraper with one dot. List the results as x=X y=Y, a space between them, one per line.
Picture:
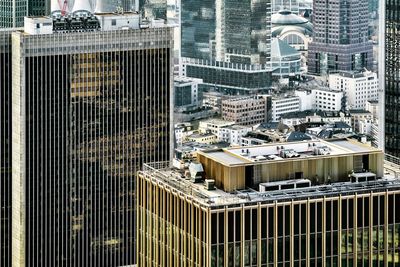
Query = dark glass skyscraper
x=88 y=109
x=392 y=78
x=340 y=40
x=12 y=12
x=232 y=44
x=5 y=147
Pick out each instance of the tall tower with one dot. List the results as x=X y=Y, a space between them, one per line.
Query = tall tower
x=392 y=78
x=12 y=12
x=243 y=31
x=340 y=40
x=5 y=147
x=89 y=108
x=227 y=44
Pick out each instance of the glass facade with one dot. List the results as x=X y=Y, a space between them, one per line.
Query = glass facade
x=233 y=37
x=198 y=28
x=90 y=109
x=12 y=12
x=183 y=96
x=5 y=148
x=392 y=79
x=336 y=230
x=340 y=37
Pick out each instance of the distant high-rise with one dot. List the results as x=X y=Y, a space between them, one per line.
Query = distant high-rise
x=227 y=43
x=392 y=78
x=12 y=12
x=340 y=40
x=291 y=5
x=89 y=107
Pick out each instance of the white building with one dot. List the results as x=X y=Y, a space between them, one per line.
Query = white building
x=306 y=99
x=182 y=131
x=359 y=87
x=233 y=134
x=373 y=107
x=213 y=125
x=327 y=100
x=320 y=99
x=283 y=105
x=361 y=120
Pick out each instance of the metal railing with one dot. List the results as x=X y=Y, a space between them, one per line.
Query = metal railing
x=392 y=165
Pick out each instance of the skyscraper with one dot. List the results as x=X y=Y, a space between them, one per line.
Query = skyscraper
x=293 y=204
x=340 y=40
x=91 y=103
x=12 y=12
x=232 y=44
x=5 y=147
x=392 y=79
x=290 y=5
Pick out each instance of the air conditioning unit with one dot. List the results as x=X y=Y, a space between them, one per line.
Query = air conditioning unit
x=209 y=184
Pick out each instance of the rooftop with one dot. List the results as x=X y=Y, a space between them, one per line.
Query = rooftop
x=359 y=111
x=217 y=122
x=175 y=180
x=237 y=127
x=270 y=152
x=181 y=80
x=280 y=49
x=305 y=113
x=353 y=74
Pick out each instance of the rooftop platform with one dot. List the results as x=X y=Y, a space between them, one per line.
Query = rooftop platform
x=272 y=152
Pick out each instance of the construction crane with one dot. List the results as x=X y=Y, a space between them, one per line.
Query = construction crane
x=63 y=4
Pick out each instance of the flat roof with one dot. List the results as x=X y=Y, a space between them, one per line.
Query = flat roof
x=175 y=180
x=217 y=122
x=251 y=154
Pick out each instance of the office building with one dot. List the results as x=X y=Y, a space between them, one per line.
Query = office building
x=289 y=5
x=187 y=93
x=311 y=203
x=245 y=110
x=340 y=40
x=285 y=60
x=321 y=98
x=389 y=59
x=213 y=125
x=284 y=104
x=91 y=103
x=233 y=134
x=227 y=44
x=358 y=87
x=12 y=12
x=5 y=147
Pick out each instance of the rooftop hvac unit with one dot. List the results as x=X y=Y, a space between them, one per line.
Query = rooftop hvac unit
x=196 y=172
x=209 y=184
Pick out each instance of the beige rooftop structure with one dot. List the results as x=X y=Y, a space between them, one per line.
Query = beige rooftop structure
x=319 y=161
